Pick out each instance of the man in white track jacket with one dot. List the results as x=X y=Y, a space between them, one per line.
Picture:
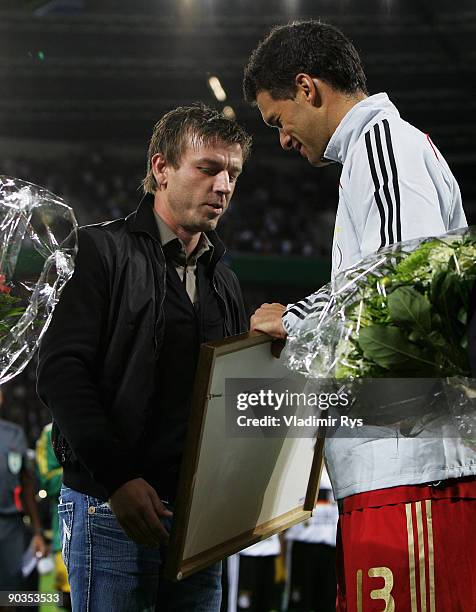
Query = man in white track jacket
x=396 y=495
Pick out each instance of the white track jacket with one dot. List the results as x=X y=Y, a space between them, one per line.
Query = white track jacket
x=395 y=185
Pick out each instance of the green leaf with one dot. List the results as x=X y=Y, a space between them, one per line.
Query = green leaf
x=406 y=305
x=389 y=348
x=446 y=295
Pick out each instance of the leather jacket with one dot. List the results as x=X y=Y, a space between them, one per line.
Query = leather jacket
x=97 y=360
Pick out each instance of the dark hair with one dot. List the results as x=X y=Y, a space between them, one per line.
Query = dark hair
x=315 y=48
x=188 y=124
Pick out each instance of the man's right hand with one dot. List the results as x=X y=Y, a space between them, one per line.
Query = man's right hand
x=138 y=509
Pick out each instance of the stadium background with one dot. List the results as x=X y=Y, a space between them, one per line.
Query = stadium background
x=83 y=82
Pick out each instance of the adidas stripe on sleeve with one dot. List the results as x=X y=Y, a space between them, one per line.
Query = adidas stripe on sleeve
x=383 y=169
x=400 y=188
x=296 y=316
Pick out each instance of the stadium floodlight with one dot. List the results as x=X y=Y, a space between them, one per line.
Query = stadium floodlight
x=217 y=89
x=229 y=112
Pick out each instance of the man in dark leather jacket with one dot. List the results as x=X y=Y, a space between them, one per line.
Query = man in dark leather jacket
x=118 y=361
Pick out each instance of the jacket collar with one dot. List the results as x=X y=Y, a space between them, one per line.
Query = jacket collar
x=142 y=221
x=355 y=123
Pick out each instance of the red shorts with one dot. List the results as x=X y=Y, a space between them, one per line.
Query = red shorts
x=409 y=549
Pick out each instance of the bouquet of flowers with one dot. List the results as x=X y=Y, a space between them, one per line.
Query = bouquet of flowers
x=38 y=242
x=399 y=313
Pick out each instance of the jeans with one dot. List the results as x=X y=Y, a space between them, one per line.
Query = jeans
x=108 y=571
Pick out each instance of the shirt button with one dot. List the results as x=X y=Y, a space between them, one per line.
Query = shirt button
x=91 y=510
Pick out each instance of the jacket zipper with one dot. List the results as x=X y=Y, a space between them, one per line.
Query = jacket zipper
x=161 y=310
x=227 y=329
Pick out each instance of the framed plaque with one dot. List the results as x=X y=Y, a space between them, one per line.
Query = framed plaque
x=238 y=486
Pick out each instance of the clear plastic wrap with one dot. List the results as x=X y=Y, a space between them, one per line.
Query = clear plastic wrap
x=38 y=243
x=400 y=313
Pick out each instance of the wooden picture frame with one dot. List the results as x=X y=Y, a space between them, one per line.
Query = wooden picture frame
x=235 y=491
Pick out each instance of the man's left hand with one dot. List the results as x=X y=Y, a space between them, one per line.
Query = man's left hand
x=268 y=319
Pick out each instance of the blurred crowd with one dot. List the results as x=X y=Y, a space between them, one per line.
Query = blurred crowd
x=274 y=210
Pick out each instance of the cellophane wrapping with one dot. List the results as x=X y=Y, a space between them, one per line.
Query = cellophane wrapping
x=38 y=243
x=399 y=313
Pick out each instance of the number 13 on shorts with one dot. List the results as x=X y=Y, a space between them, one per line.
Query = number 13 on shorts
x=383 y=593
